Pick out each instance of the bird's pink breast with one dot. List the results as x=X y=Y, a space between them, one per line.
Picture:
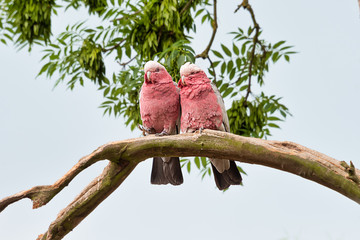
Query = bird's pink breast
x=199 y=107
x=159 y=106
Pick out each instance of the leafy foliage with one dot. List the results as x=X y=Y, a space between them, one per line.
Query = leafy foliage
x=256 y=117
x=249 y=117
x=31 y=20
x=133 y=32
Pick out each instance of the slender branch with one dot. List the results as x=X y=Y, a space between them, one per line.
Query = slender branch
x=186 y=7
x=131 y=15
x=126 y=63
x=115 y=46
x=205 y=53
x=245 y=4
x=125 y=155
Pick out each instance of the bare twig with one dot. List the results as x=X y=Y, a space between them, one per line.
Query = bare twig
x=125 y=155
x=205 y=53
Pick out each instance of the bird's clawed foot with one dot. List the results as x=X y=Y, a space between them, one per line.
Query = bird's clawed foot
x=200 y=130
x=146 y=130
x=163 y=133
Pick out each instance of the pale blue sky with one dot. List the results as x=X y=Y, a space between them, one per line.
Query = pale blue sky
x=44 y=132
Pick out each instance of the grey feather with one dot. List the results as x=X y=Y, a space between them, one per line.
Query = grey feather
x=225 y=171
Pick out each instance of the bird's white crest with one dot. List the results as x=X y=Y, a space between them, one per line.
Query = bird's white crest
x=152 y=66
x=189 y=68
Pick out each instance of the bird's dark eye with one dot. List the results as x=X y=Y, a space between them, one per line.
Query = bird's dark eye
x=157 y=70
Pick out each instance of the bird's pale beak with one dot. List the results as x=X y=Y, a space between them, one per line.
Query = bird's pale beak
x=183 y=81
x=148 y=73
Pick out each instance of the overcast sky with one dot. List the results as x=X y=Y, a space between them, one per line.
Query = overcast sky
x=44 y=132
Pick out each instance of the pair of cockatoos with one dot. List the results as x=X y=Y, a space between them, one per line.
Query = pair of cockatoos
x=194 y=104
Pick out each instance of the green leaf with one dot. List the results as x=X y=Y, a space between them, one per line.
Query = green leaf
x=227 y=92
x=287 y=58
x=278 y=44
x=203 y=161
x=243 y=88
x=223 y=67
x=273 y=118
x=230 y=65
x=107 y=90
x=250 y=30
x=273 y=125
x=217 y=54
x=199 y=12
x=275 y=57
x=197 y=162
x=243 y=49
x=226 y=50
x=232 y=73
x=235 y=49
x=188 y=166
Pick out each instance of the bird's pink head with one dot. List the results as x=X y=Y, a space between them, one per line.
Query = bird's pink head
x=189 y=74
x=155 y=73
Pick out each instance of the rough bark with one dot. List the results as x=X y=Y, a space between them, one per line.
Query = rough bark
x=125 y=155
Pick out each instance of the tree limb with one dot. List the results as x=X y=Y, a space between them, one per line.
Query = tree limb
x=125 y=155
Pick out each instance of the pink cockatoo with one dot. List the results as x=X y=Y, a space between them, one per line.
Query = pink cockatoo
x=202 y=107
x=160 y=114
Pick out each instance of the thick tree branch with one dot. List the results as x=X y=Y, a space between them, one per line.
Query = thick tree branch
x=125 y=155
x=205 y=53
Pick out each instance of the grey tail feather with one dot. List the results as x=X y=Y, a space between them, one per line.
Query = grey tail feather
x=166 y=172
x=172 y=171
x=157 y=173
x=228 y=177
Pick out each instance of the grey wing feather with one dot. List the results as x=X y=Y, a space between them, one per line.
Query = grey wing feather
x=140 y=97
x=178 y=121
x=228 y=174
x=222 y=105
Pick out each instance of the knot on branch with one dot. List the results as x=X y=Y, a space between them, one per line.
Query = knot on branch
x=287 y=145
x=351 y=171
